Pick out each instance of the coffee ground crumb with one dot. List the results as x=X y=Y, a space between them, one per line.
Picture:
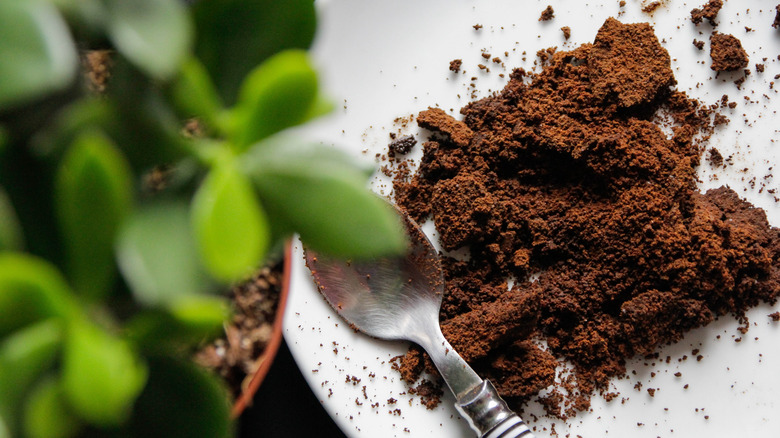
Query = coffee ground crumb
x=715 y=158
x=566 y=32
x=455 y=65
x=569 y=174
x=727 y=53
x=651 y=7
x=709 y=11
x=775 y=316
x=699 y=44
x=547 y=14
x=401 y=145
x=776 y=23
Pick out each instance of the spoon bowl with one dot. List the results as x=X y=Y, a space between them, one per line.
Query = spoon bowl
x=399 y=298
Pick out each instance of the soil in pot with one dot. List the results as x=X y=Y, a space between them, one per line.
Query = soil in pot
x=241 y=350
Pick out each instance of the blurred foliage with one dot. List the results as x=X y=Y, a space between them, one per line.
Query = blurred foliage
x=107 y=281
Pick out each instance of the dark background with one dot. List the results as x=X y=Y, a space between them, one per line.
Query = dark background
x=284 y=406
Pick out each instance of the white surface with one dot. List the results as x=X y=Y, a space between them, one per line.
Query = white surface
x=387 y=59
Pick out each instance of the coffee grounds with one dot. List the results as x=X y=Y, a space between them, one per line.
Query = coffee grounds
x=776 y=23
x=401 y=146
x=709 y=11
x=727 y=53
x=455 y=65
x=547 y=14
x=579 y=182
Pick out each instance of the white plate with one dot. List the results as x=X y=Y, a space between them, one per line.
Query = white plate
x=387 y=59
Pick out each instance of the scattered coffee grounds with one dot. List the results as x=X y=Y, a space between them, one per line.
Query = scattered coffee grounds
x=547 y=14
x=566 y=32
x=775 y=316
x=430 y=393
x=579 y=183
x=727 y=53
x=455 y=65
x=651 y=7
x=234 y=355
x=401 y=145
x=709 y=11
x=698 y=44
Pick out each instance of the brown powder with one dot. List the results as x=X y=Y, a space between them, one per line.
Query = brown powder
x=776 y=23
x=650 y=7
x=401 y=145
x=547 y=14
x=709 y=11
x=727 y=53
x=645 y=64
x=455 y=65
x=568 y=175
x=435 y=118
x=566 y=32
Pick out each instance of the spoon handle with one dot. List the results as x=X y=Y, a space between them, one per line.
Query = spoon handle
x=489 y=415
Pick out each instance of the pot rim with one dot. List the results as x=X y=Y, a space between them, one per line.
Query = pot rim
x=266 y=359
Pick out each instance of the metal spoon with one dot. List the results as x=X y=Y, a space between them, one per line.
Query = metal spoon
x=398 y=298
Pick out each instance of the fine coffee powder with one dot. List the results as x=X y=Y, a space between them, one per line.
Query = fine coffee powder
x=578 y=182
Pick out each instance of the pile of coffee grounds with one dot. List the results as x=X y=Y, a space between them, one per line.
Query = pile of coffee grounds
x=578 y=182
x=727 y=53
x=709 y=11
x=234 y=355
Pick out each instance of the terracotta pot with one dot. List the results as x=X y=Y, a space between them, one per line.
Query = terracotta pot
x=264 y=362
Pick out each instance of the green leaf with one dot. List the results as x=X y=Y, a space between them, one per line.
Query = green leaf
x=134 y=117
x=231 y=227
x=276 y=95
x=11 y=237
x=158 y=257
x=194 y=94
x=202 y=313
x=93 y=196
x=322 y=194
x=24 y=356
x=30 y=290
x=235 y=36
x=181 y=400
x=190 y=321
x=101 y=375
x=38 y=53
x=46 y=415
x=156 y=35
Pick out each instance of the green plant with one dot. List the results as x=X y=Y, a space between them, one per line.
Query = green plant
x=106 y=283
